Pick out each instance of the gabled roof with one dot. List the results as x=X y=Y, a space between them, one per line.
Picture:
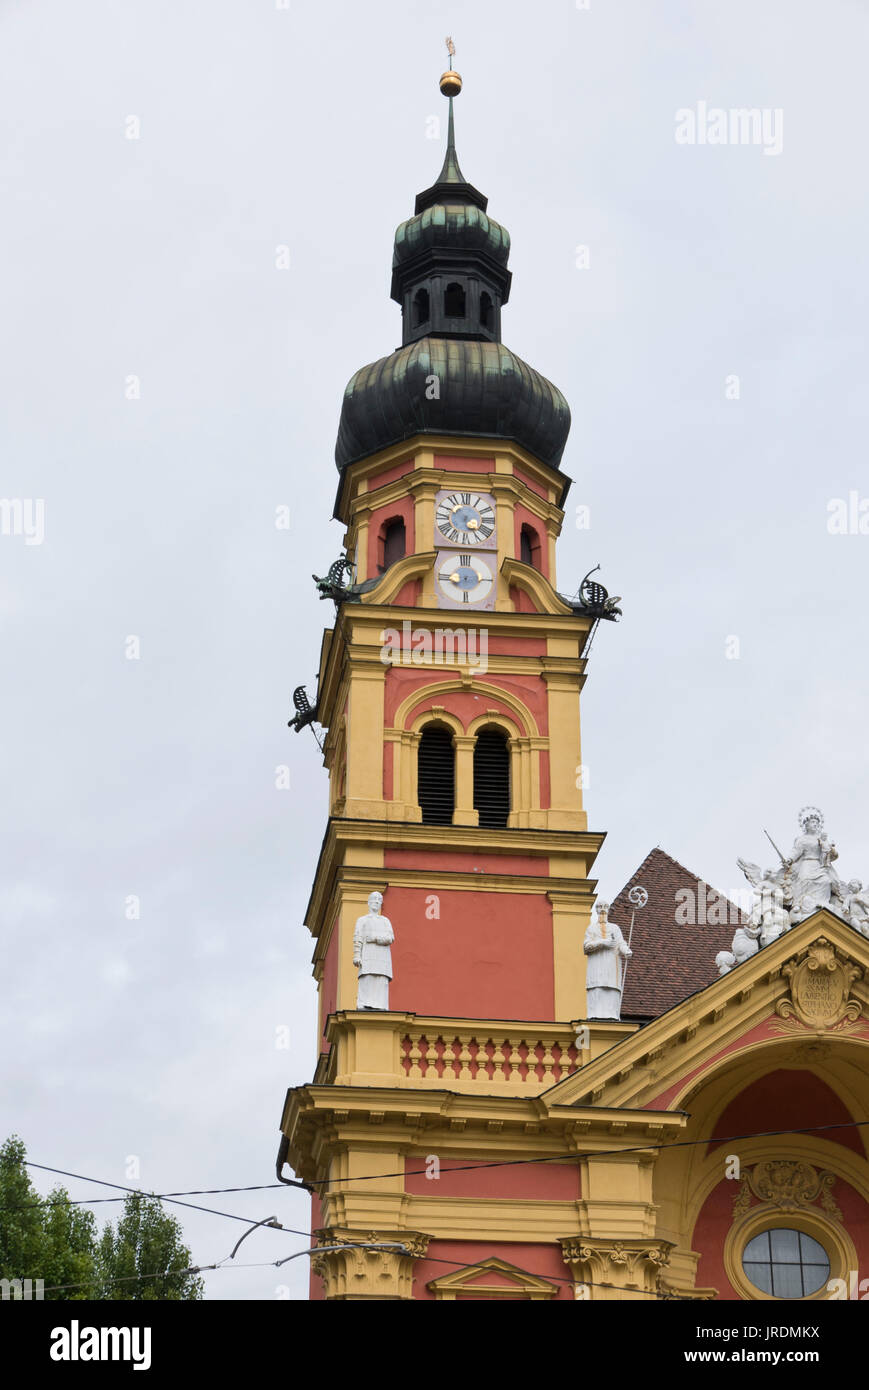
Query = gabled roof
x=778 y=995
x=671 y=959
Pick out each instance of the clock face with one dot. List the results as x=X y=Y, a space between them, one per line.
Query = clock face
x=465 y=580
x=465 y=518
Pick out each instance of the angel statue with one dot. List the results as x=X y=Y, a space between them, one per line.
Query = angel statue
x=742 y=948
x=855 y=906
x=768 y=911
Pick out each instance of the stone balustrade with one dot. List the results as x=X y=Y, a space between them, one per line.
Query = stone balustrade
x=407 y=1050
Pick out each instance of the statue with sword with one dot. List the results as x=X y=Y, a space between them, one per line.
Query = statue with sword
x=804 y=882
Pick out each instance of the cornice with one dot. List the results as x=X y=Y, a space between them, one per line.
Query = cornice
x=449 y=446
x=345 y=831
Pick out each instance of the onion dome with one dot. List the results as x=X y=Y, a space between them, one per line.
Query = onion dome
x=486 y=390
x=452 y=375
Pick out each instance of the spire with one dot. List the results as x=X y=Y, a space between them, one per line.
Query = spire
x=451 y=185
x=451 y=173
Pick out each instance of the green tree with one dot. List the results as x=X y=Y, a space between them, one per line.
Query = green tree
x=44 y=1237
x=147 y=1242
x=47 y=1238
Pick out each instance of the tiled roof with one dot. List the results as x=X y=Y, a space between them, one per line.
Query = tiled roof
x=671 y=959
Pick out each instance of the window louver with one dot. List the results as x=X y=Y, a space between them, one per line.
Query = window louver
x=492 y=778
x=436 y=776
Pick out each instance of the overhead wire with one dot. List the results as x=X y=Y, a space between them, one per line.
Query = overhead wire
x=561 y=1157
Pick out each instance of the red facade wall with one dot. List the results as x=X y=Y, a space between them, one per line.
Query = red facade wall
x=521 y=601
x=516 y=646
x=316 y=1291
x=402 y=508
x=788 y=1100
x=458 y=464
x=555 y=1182
x=463 y=964
x=716 y=1218
x=448 y=861
x=401 y=681
x=530 y=483
x=389 y=475
x=523 y=517
x=408 y=594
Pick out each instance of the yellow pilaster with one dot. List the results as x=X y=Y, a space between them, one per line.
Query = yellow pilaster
x=364 y=789
x=571 y=913
x=565 y=758
x=464 y=813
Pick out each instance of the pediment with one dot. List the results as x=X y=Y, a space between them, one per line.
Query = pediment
x=492 y=1278
x=535 y=585
x=810 y=984
x=389 y=585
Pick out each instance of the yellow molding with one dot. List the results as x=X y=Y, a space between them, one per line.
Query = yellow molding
x=537 y=586
x=345 y=836
x=421 y=450
x=831 y=1234
x=415 y=566
x=481 y=687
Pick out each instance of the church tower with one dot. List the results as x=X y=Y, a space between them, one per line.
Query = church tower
x=449 y=689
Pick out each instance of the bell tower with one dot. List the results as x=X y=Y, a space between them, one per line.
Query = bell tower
x=449 y=689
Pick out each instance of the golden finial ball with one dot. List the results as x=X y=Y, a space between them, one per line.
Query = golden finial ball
x=450 y=83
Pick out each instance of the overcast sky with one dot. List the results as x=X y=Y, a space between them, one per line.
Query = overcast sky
x=154 y=258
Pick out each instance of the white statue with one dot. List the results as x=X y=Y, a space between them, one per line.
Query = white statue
x=788 y=895
x=742 y=947
x=855 y=906
x=811 y=867
x=606 y=948
x=372 y=938
x=769 y=911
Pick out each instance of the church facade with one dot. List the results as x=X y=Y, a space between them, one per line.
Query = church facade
x=469 y=1133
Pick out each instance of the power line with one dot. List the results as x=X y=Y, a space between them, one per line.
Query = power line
x=274 y=1264
x=598 y=1153
x=160 y=1274
x=417 y=1172
x=160 y=1196
x=137 y=1192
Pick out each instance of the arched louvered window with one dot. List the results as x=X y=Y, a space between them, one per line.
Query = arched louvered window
x=420 y=308
x=454 y=302
x=492 y=777
x=436 y=776
x=393 y=543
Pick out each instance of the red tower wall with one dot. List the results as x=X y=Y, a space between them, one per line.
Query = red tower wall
x=494 y=956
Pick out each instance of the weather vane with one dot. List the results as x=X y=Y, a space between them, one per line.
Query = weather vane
x=450 y=83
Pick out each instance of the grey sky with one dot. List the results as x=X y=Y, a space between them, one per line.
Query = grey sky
x=155 y=257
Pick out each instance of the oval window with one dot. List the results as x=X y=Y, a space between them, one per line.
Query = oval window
x=786 y=1264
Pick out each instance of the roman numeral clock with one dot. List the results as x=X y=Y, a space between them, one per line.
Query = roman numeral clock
x=465 y=539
